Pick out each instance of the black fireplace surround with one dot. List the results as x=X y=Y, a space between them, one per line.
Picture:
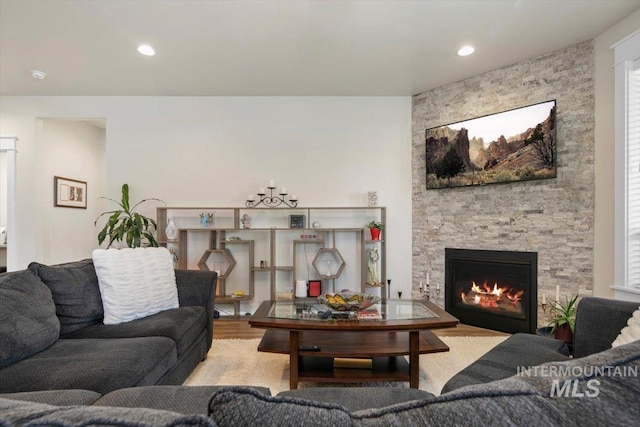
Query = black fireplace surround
x=492 y=289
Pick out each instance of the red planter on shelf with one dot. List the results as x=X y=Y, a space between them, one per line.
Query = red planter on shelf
x=375 y=233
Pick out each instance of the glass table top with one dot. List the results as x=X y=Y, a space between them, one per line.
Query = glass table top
x=383 y=310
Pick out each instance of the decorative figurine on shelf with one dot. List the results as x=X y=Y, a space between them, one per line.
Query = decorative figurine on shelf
x=246 y=222
x=372 y=199
x=171 y=231
x=206 y=219
x=174 y=257
x=372 y=267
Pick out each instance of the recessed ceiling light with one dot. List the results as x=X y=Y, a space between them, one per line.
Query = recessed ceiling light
x=147 y=50
x=37 y=74
x=466 y=50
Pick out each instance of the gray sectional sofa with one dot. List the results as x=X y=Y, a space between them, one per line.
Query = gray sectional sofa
x=489 y=392
x=53 y=337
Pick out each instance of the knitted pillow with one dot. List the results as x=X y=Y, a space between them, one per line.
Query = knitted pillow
x=135 y=283
x=631 y=332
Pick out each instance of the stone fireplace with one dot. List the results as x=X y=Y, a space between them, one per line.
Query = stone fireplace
x=552 y=217
x=492 y=289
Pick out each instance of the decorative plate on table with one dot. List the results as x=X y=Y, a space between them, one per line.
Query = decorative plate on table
x=348 y=301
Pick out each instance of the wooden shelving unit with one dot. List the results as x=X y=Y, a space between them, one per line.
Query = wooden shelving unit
x=284 y=249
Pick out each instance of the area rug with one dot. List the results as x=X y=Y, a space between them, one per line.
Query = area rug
x=238 y=362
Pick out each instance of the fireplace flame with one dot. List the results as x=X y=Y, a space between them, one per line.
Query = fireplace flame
x=488 y=297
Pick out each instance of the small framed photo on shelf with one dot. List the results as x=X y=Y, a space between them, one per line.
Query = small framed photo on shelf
x=315 y=288
x=296 y=221
x=69 y=193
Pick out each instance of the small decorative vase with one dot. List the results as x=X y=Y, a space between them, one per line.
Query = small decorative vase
x=171 y=231
x=375 y=233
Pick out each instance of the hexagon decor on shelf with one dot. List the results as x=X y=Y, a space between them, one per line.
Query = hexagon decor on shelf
x=328 y=263
x=218 y=254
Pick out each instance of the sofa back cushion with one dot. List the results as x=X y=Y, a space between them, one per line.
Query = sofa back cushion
x=598 y=323
x=18 y=413
x=597 y=390
x=75 y=291
x=28 y=322
x=135 y=283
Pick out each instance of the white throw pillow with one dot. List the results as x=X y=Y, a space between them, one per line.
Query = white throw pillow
x=135 y=283
x=631 y=332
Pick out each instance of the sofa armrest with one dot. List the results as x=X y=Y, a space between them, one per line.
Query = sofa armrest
x=198 y=288
x=598 y=323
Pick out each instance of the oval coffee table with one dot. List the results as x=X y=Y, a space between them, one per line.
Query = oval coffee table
x=383 y=334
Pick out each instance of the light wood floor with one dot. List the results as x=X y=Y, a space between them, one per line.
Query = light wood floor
x=228 y=329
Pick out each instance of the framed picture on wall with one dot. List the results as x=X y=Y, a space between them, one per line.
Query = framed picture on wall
x=513 y=145
x=69 y=193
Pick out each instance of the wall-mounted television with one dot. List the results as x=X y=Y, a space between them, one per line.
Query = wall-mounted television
x=513 y=145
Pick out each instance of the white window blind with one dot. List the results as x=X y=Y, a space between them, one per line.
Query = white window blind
x=633 y=174
x=627 y=168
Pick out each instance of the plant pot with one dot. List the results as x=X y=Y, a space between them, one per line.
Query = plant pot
x=375 y=233
x=564 y=333
x=545 y=331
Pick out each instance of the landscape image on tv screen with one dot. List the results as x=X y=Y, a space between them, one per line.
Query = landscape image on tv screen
x=514 y=145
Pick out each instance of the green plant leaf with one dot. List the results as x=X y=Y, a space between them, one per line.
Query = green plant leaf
x=125 y=197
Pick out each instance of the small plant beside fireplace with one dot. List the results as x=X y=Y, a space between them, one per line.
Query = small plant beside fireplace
x=563 y=318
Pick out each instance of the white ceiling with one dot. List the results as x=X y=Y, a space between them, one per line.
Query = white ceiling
x=280 y=47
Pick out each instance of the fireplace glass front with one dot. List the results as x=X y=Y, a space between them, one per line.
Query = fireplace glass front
x=492 y=289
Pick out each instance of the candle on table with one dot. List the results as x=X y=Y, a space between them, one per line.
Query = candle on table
x=438 y=285
x=283 y=191
x=557 y=294
x=544 y=298
x=261 y=191
x=427 y=277
x=272 y=183
x=250 y=197
x=294 y=197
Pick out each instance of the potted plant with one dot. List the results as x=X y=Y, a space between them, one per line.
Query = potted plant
x=125 y=224
x=563 y=319
x=375 y=227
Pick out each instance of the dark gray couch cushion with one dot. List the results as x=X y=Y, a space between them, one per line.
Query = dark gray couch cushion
x=503 y=360
x=528 y=400
x=16 y=413
x=183 y=325
x=55 y=397
x=358 y=398
x=598 y=323
x=242 y=406
x=515 y=401
x=28 y=322
x=182 y=399
x=98 y=365
x=75 y=292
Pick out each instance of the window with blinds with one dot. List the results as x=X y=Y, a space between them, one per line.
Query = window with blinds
x=627 y=170
x=633 y=174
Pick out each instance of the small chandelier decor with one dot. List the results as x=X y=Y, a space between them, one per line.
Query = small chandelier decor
x=272 y=200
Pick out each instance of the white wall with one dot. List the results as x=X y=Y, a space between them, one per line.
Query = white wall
x=76 y=150
x=604 y=153
x=213 y=151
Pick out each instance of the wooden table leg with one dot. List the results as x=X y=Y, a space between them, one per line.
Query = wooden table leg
x=414 y=359
x=294 y=360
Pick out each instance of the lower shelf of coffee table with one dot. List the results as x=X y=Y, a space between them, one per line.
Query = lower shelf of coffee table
x=352 y=344
x=320 y=369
